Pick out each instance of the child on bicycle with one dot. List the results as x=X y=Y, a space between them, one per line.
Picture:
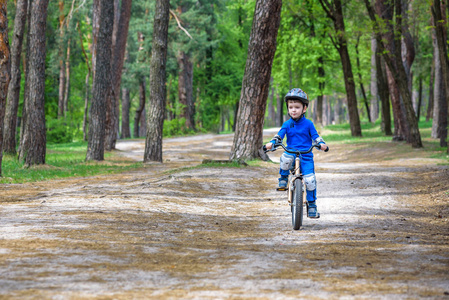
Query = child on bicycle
x=300 y=134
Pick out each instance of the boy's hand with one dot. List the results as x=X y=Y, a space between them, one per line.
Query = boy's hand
x=323 y=147
x=269 y=145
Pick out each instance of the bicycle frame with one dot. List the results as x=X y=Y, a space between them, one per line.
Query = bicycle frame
x=297 y=175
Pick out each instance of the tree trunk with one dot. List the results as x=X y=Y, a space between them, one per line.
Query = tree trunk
x=362 y=88
x=25 y=71
x=67 y=81
x=102 y=83
x=399 y=118
x=420 y=90
x=321 y=86
x=117 y=69
x=438 y=13
x=429 y=113
x=387 y=12
x=96 y=10
x=86 y=106
x=280 y=109
x=398 y=71
x=335 y=13
x=140 y=109
x=86 y=87
x=33 y=147
x=402 y=79
x=256 y=81
x=374 y=111
x=156 y=111
x=439 y=93
x=12 y=106
x=382 y=87
x=126 y=133
x=5 y=69
x=185 y=89
x=62 y=71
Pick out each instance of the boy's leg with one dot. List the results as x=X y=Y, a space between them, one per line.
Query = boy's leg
x=286 y=163
x=283 y=180
x=310 y=180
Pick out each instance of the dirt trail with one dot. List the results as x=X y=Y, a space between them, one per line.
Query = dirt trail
x=225 y=233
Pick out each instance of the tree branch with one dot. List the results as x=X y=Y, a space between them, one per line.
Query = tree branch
x=179 y=24
x=328 y=9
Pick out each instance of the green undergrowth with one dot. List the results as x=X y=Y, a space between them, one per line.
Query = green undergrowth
x=63 y=161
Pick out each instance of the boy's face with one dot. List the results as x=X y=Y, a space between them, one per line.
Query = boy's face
x=296 y=108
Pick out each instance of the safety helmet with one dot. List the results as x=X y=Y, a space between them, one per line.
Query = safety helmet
x=297 y=94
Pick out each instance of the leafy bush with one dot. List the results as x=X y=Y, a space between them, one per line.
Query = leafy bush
x=59 y=131
x=176 y=127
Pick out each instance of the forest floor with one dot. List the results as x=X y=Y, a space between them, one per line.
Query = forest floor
x=170 y=232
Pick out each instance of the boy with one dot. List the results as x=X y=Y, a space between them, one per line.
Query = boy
x=300 y=134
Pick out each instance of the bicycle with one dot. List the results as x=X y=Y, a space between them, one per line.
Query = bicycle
x=296 y=185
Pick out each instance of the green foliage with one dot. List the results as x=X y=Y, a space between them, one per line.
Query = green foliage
x=175 y=127
x=58 y=131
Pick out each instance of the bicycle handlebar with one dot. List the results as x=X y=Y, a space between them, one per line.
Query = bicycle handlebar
x=277 y=145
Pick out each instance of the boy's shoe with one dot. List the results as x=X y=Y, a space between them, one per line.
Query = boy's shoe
x=282 y=184
x=312 y=210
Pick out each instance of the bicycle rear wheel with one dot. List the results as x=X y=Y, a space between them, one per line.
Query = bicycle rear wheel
x=297 y=205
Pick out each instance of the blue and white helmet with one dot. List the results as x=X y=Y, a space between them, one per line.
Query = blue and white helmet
x=297 y=94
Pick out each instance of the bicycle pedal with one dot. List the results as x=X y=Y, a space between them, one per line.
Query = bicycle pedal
x=281 y=189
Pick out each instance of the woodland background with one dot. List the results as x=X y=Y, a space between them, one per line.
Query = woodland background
x=206 y=55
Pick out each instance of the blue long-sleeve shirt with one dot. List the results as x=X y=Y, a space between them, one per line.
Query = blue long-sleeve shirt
x=300 y=134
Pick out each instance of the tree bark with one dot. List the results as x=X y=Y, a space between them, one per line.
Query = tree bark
x=96 y=10
x=429 y=113
x=25 y=71
x=86 y=106
x=420 y=90
x=440 y=27
x=102 y=83
x=118 y=59
x=321 y=86
x=5 y=69
x=67 y=81
x=62 y=72
x=382 y=87
x=126 y=133
x=156 y=111
x=374 y=111
x=399 y=73
x=33 y=146
x=86 y=87
x=386 y=12
x=362 y=88
x=399 y=118
x=335 y=13
x=248 y=135
x=140 y=109
x=185 y=89
x=12 y=106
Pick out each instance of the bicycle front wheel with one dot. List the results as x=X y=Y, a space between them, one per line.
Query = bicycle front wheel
x=297 y=205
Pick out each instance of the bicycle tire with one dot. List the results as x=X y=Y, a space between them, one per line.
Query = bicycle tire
x=297 y=205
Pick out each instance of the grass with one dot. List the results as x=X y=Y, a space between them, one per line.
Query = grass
x=62 y=161
x=371 y=133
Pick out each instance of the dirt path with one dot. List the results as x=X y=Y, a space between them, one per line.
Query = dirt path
x=225 y=233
